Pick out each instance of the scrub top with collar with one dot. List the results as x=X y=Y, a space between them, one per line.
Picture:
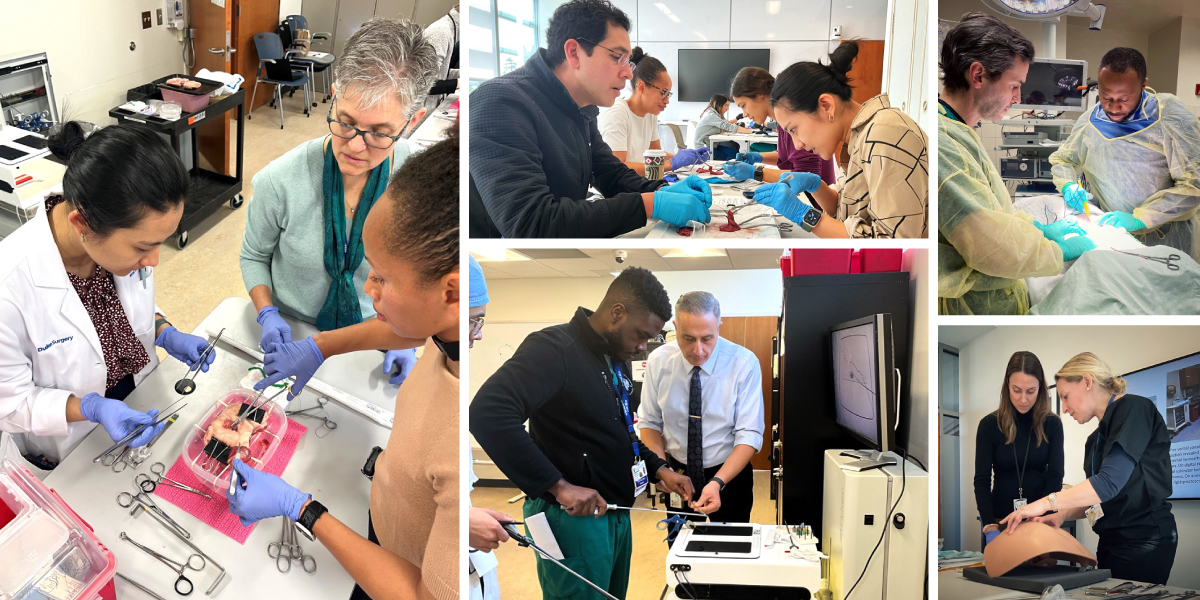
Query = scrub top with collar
x=1140 y=510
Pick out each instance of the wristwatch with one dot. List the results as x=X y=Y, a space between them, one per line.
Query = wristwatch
x=720 y=482
x=1053 y=504
x=810 y=219
x=758 y=172
x=308 y=519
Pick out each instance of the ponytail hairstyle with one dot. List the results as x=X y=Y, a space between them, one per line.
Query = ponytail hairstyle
x=117 y=175
x=1090 y=364
x=1027 y=363
x=715 y=103
x=646 y=68
x=751 y=82
x=800 y=86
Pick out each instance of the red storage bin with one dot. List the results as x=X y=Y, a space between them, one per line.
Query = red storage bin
x=881 y=260
x=785 y=263
x=820 y=261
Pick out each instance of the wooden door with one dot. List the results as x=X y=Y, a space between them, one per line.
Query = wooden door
x=757 y=334
x=213 y=25
x=251 y=17
x=866 y=76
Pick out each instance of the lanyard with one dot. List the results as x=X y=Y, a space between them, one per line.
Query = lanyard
x=1021 y=471
x=623 y=396
x=1098 y=436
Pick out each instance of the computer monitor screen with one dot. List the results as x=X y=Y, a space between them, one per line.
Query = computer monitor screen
x=704 y=72
x=1174 y=388
x=1053 y=84
x=856 y=381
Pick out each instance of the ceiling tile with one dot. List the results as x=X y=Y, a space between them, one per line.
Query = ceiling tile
x=700 y=263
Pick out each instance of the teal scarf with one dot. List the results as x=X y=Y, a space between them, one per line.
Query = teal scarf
x=344 y=252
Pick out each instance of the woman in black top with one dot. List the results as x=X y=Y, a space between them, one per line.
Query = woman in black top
x=1128 y=463
x=1021 y=443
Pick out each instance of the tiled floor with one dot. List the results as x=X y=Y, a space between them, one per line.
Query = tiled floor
x=518 y=573
x=191 y=282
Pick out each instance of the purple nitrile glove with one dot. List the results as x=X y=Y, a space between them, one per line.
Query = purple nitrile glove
x=261 y=496
x=274 y=329
x=185 y=347
x=118 y=420
x=300 y=359
x=404 y=360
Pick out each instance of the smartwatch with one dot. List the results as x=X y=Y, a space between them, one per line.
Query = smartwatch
x=308 y=519
x=758 y=172
x=720 y=482
x=810 y=219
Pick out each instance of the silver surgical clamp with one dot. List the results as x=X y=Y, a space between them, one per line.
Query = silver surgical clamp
x=148 y=483
x=168 y=527
x=288 y=549
x=126 y=500
x=139 y=586
x=1169 y=260
x=256 y=404
x=176 y=566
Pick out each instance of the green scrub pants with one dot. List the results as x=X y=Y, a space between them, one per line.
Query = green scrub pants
x=598 y=548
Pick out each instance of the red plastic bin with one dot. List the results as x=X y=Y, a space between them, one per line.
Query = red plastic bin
x=820 y=261
x=880 y=260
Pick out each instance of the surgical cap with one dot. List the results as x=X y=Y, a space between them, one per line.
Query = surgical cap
x=478 y=289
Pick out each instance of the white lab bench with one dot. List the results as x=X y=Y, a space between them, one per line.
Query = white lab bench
x=953 y=586
x=743 y=140
x=328 y=468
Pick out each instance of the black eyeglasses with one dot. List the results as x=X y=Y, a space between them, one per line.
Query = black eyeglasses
x=622 y=59
x=374 y=139
x=666 y=94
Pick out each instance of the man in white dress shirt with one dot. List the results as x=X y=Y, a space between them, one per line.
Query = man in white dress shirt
x=702 y=410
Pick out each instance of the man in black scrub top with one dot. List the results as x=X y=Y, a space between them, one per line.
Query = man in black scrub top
x=1128 y=462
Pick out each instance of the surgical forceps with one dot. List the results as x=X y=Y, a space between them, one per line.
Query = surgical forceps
x=126 y=500
x=288 y=549
x=187 y=385
x=148 y=483
x=194 y=548
x=176 y=566
x=139 y=455
x=526 y=541
x=255 y=404
x=166 y=414
x=139 y=586
x=1169 y=260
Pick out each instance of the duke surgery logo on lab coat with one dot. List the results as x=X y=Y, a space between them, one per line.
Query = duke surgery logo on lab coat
x=58 y=341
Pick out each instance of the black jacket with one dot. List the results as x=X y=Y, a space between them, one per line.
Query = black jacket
x=533 y=154
x=999 y=466
x=559 y=381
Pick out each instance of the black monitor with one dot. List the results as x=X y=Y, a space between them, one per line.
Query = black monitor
x=1053 y=84
x=865 y=380
x=704 y=72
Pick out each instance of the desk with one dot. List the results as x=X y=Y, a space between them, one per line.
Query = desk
x=433 y=126
x=328 y=468
x=953 y=586
x=743 y=140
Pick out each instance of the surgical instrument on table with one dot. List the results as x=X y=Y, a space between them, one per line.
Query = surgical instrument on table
x=1169 y=260
x=139 y=586
x=326 y=422
x=661 y=510
x=148 y=483
x=140 y=454
x=187 y=385
x=288 y=548
x=255 y=404
x=176 y=566
x=127 y=500
x=118 y=462
x=166 y=414
x=189 y=545
x=525 y=541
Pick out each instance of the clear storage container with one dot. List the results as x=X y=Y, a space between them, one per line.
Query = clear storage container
x=212 y=466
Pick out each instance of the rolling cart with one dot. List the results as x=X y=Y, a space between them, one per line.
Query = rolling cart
x=208 y=189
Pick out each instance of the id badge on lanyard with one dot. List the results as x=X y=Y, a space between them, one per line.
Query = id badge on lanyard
x=622 y=384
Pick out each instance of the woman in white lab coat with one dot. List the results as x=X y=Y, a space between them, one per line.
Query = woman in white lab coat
x=78 y=324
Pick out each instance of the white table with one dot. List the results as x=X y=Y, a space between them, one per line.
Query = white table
x=953 y=586
x=432 y=128
x=328 y=468
x=743 y=140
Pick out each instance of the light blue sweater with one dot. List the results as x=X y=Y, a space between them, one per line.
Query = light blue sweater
x=284 y=244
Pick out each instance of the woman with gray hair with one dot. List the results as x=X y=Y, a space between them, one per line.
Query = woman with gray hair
x=302 y=253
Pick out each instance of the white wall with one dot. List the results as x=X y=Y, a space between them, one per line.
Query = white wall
x=1162 y=62
x=1189 y=63
x=798 y=30
x=289 y=7
x=981 y=371
x=88 y=46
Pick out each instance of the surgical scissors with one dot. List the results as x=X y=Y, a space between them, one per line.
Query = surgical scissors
x=1169 y=260
x=176 y=566
x=120 y=458
x=126 y=500
x=148 y=483
x=288 y=548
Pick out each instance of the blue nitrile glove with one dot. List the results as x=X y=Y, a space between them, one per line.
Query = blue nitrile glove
x=1075 y=247
x=802 y=182
x=300 y=359
x=1057 y=230
x=677 y=208
x=261 y=496
x=185 y=347
x=118 y=420
x=991 y=535
x=688 y=156
x=738 y=170
x=693 y=185
x=748 y=157
x=274 y=329
x=1123 y=220
x=780 y=197
x=1075 y=195
x=404 y=360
